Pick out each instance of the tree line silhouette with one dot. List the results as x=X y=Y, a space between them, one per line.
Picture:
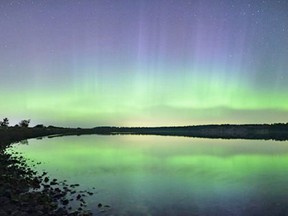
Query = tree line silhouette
x=23 y=123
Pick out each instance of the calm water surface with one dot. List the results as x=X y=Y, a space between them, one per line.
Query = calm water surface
x=157 y=175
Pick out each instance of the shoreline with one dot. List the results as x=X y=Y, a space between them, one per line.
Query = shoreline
x=19 y=184
x=277 y=131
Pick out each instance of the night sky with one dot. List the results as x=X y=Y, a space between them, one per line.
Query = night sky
x=144 y=62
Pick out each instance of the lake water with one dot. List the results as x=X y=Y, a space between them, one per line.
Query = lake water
x=161 y=175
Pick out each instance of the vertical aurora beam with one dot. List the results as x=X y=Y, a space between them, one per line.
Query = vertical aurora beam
x=144 y=62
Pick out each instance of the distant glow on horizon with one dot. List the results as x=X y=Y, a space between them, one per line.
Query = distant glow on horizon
x=144 y=63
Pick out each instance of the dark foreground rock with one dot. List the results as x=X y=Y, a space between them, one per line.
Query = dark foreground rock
x=24 y=192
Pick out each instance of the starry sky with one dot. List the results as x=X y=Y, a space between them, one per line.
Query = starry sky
x=144 y=62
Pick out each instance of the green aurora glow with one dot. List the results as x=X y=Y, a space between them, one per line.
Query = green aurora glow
x=144 y=64
x=190 y=104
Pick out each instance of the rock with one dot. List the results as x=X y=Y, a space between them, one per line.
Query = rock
x=65 y=202
x=78 y=197
x=53 y=183
x=57 y=190
x=99 y=205
x=44 y=173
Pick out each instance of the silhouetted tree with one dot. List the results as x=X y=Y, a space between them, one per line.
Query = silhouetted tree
x=4 y=123
x=24 y=123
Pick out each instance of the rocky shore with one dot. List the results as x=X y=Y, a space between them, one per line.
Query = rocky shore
x=25 y=192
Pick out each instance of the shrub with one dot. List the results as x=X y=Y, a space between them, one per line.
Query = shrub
x=4 y=123
x=24 y=123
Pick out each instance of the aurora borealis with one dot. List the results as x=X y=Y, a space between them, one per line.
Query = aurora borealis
x=144 y=62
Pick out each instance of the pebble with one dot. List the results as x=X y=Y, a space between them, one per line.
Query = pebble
x=17 y=179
